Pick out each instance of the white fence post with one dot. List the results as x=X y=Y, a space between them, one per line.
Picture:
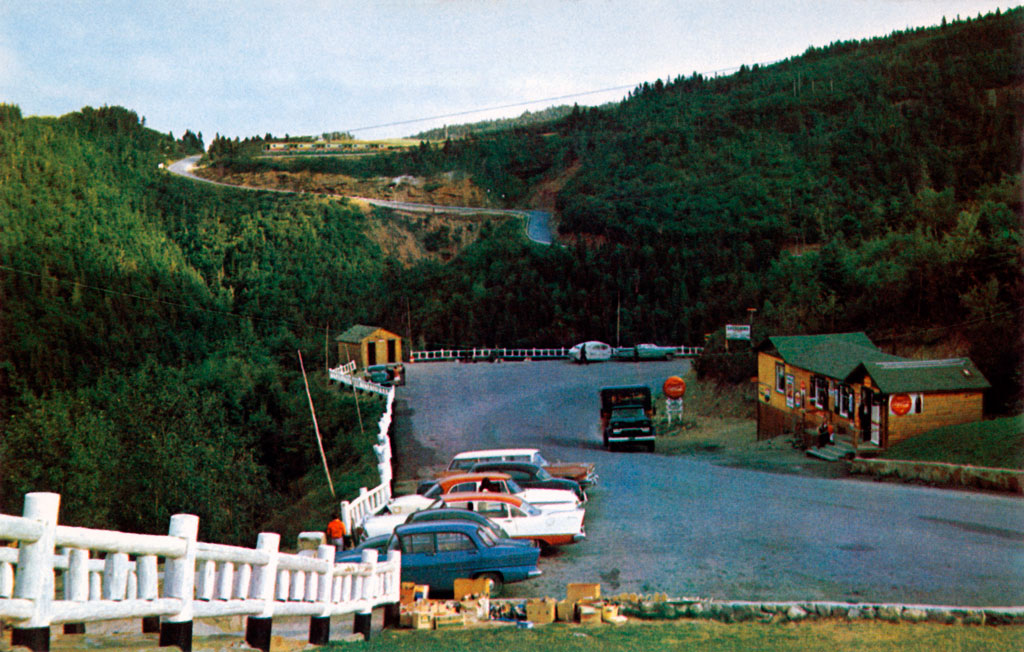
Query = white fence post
x=34 y=578
x=180 y=582
x=263 y=588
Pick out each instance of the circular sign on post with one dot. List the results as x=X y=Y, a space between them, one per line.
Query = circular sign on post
x=674 y=387
x=900 y=404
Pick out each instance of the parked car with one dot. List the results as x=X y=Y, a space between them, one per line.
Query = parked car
x=437 y=553
x=592 y=351
x=521 y=519
x=644 y=352
x=450 y=514
x=502 y=483
x=378 y=543
x=398 y=510
x=532 y=476
x=386 y=374
x=582 y=472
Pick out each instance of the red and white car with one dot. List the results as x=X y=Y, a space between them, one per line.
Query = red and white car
x=521 y=519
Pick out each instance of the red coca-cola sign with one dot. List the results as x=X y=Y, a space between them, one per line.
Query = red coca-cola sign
x=900 y=404
x=674 y=387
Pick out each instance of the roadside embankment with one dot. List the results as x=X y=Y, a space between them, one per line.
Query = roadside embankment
x=941 y=473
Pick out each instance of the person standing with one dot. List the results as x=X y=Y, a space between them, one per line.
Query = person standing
x=336 y=534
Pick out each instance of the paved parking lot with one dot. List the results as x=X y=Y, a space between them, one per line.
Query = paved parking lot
x=687 y=527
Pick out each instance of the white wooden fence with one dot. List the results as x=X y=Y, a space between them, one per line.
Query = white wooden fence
x=478 y=354
x=370 y=501
x=198 y=579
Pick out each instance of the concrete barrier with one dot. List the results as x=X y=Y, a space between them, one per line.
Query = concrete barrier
x=940 y=473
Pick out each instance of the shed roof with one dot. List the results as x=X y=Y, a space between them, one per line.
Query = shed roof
x=358 y=333
x=835 y=355
x=954 y=374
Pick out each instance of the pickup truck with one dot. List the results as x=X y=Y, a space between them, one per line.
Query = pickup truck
x=626 y=413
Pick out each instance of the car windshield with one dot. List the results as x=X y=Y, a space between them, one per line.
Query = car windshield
x=513 y=487
x=631 y=412
x=433 y=492
x=539 y=460
x=542 y=474
x=487 y=537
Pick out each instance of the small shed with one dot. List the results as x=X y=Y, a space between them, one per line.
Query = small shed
x=368 y=346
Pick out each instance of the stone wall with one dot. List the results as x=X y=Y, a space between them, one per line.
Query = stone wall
x=939 y=473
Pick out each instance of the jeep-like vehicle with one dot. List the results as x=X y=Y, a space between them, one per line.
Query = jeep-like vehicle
x=626 y=416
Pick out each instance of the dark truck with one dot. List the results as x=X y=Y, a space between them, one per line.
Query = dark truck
x=626 y=416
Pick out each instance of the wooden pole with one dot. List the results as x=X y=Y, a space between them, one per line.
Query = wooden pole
x=319 y=440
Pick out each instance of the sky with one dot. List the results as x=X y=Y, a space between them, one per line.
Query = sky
x=388 y=68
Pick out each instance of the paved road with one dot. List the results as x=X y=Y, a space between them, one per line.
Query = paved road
x=537 y=222
x=686 y=527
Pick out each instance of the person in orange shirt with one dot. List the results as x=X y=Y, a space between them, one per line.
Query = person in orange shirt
x=336 y=534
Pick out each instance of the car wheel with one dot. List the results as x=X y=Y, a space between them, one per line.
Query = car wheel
x=496 y=583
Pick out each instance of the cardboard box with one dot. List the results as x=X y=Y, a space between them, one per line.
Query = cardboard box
x=609 y=612
x=579 y=591
x=465 y=588
x=407 y=593
x=541 y=612
x=416 y=620
x=479 y=608
x=566 y=611
x=588 y=615
x=443 y=621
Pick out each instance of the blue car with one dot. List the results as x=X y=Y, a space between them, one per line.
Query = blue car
x=436 y=553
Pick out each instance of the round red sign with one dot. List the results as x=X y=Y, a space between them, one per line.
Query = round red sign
x=900 y=404
x=674 y=387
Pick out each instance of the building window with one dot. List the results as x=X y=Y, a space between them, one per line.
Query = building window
x=780 y=378
x=846 y=404
x=818 y=395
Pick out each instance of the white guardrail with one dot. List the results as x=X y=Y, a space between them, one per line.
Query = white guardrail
x=370 y=501
x=491 y=354
x=198 y=580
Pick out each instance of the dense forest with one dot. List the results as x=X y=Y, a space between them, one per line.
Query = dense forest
x=150 y=326
x=149 y=333
x=866 y=185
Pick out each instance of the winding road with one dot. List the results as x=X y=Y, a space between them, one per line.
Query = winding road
x=538 y=227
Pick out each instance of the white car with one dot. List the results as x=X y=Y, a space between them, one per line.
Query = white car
x=521 y=519
x=398 y=510
x=592 y=351
x=582 y=472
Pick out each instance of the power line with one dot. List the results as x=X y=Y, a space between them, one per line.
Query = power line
x=151 y=299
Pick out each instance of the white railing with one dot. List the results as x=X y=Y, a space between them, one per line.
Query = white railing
x=344 y=374
x=478 y=354
x=489 y=354
x=370 y=501
x=198 y=580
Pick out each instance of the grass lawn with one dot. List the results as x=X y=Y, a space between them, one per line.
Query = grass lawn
x=705 y=636
x=995 y=443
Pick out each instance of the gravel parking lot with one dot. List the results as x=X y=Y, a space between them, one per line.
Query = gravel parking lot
x=686 y=526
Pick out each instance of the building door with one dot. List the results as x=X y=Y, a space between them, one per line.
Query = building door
x=371 y=353
x=391 y=351
x=876 y=419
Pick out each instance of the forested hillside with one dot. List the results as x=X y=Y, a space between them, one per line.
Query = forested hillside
x=867 y=185
x=149 y=329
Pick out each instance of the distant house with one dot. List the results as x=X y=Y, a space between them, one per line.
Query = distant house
x=368 y=346
x=872 y=397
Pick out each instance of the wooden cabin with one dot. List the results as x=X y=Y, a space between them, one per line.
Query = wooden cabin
x=368 y=346
x=872 y=398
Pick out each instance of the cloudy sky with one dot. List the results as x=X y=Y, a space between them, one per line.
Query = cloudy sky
x=383 y=68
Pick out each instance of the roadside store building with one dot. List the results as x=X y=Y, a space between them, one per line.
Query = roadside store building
x=368 y=346
x=872 y=398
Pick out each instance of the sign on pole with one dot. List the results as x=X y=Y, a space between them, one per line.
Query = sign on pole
x=737 y=332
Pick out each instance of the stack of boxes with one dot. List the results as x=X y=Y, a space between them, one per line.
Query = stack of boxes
x=471 y=603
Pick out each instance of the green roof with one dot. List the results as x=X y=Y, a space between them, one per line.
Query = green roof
x=835 y=355
x=357 y=333
x=955 y=374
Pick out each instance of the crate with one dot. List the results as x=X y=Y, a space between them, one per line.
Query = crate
x=445 y=621
x=541 y=612
x=582 y=591
x=565 y=610
x=465 y=587
x=588 y=615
